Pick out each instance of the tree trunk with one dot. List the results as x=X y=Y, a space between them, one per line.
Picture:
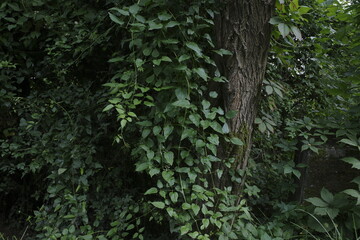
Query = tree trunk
x=243 y=28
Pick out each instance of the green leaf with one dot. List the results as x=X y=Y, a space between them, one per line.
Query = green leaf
x=171 y=24
x=164 y=16
x=201 y=72
x=153 y=25
x=216 y=126
x=193 y=46
x=195 y=209
x=236 y=141
x=213 y=94
x=284 y=29
x=225 y=128
x=231 y=114
x=61 y=170
x=269 y=89
x=121 y=11
x=182 y=103
x=108 y=107
x=183 y=58
x=167 y=175
x=134 y=9
x=181 y=93
x=142 y=166
x=262 y=127
x=174 y=196
x=349 y=142
x=326 y=195
x=304 y=9
x=185 y=229
x=167 y=131
x=151 y=191
x=160 y=205
x=115 y=19
x=169 y=157
x=353 y=193
x=317 y=202
x=296 y=32
x=353 y=161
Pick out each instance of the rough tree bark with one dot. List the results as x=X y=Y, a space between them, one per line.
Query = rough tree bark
x=243 y=28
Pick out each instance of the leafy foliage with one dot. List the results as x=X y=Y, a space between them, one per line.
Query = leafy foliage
x=111 y=129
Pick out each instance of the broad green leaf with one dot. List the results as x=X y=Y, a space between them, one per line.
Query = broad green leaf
x=317 y=202
x=164 y=16
x=160 y=205
x=231 y=114
x=354 y=193
x=236 y=141
x=151 y=191
x=115 y=19
x=225 y=128
x=216 y=126
x=304 y=9
x=61 y=170
x=213 y=94
x=201 y=72
x=195 y=209
x=134 y=9
x=269 y=90
x=174 y=196
x=326 y=195
x=349 y=142
x=171 y=24
x=167 y=175
x=262 y=127
x=169 y=157
x=121 y=11
x=167 y=131
x=193 y=46
x=108 y=107
x=153 y=25
x=296 y=32
x=353 y=161
x=284 y=29
x=183 y=58
x=142 y=166
x=182 y=103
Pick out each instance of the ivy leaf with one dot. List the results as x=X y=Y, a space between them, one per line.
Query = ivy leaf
x=317 y=202
x=164 y=16
x=195 y=209
x=167 y=175
x=153 y=25
x=231 y=114
x=115 y=19
x=201 y=72
x=349 y=142
x=326 y=195
x=193 y=46
x=167 y=131
x=134 y=9
x=169 y=157
x=236 y=141
x=353 y=161
x=182 y=103
x=353 y=193
x=296 y=32
x=160 y=205
x=284 y=29
x=174 y=196
x=151 y=191
x=142 y=166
